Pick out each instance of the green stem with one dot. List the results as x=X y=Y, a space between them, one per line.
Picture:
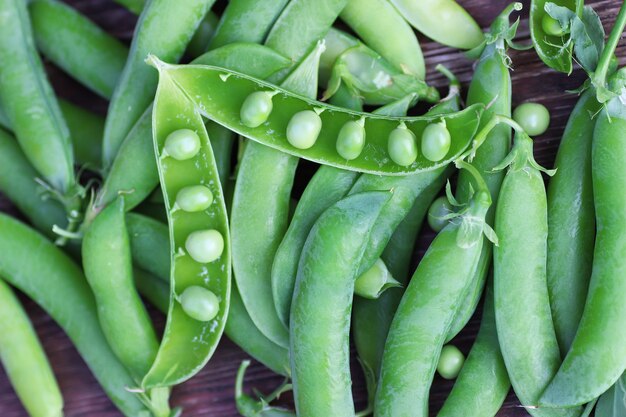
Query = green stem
x=599 y=78
x=481 y=136
x=580 y=4
x=471 y=169
x=239 y=379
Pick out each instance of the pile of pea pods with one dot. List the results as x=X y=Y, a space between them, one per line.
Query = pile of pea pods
x=183 y=198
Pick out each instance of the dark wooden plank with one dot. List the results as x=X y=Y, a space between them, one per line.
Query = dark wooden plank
x=210 y=393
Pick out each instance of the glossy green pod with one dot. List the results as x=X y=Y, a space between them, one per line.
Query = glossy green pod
x=188 y=343
x=219 y=93
x=25 y=361
x=550 y=48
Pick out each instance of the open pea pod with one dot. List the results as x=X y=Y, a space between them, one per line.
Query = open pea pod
x=199 y=239
x=219 y=94
x=553 y=48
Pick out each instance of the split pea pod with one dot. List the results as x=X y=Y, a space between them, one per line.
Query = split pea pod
x=199 y=238
x=220 y=94
x=550 y=47
x=57 y=284
x=135 y=87
x=392 y=37
x=482 y=385
x=491 y=86
x=134 y=169
x=597 y=356
x=571 y=222
x=77 y=45
x=24 y=360
x=108 y=267
x=319 y=331
x=444 y=21
x=30 y=104
x=246 y=21
x=427 y=308
x=525 y=330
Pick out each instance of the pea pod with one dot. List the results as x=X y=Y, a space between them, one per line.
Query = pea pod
x=375 y=79
x=77 y=45
x=443 y=21
x=484 y=364
x=138 y=81
x=319 y=331
x=86 y=131
x=491 y=86
x=66 y=293
x=135 y=6
x=199 y=239
x=336 y=42
x=24 y=360
x=224 y=108
x=246 y=21
x=597 y=356
x=134 y=168
x=427 y=308
x=571 y=222
x=31 y=106
x=392 y=37
x=520 y=272
x=550 y=47
x=259 y=232
x=155 y=290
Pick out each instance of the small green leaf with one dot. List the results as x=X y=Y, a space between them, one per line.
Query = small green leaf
x=588 y=37
x=560 y=13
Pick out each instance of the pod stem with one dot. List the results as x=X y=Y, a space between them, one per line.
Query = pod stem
x=476 y=176
x=599 y=78
x=454 y=88
x=481 y=136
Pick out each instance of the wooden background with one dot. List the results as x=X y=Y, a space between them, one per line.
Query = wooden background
x=210 y=393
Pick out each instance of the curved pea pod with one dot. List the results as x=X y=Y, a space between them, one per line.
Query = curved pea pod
x=426 y=311
x=571 y=222
x=320 y=312
x=199 y=238
x=443 y=21
x=246 y=21
x=108 y=267
x=391 y=36
x=24 y=360
x=86 y=131
x=137 y=83
x=199 y=42
x=525 y=330
x=375 y=79
x=491 y=86
x=133 y=168
x=57 y=284
x=219 y=94
x=482 y=385
x=77 y=45
x=551 y=49
x=30 y=103
x=327 y=186
x=597 y=356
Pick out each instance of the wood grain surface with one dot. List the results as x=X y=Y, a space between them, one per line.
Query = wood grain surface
x=210 y=393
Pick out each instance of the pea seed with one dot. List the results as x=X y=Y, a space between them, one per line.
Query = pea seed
x=256 y=108
x=194 y=198
x=551 y=26
x=182 y=144
x=435 y=142
x=199 y=303
x=303 y=129
x=374 y=281
x=351 y=140
x=402 y=147
x=438 y=209
x=205 y=246
x=450 y=362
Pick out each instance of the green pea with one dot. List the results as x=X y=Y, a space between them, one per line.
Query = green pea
x=303 y=129
x=438 y=209
x=450 y=362
x=351 y=139
x=205 y=246
x=194 y=198
x=256 y=108
x=373 y=282
x=533 y=117
x=402 y=147
x=435 y=141
x=551 y=26
x=199 y=303
x=182 y=144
